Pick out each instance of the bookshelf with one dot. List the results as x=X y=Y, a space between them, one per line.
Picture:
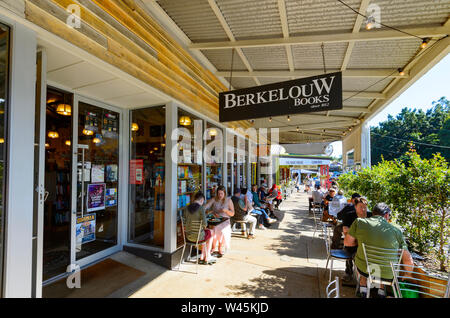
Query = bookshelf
x=213 y=179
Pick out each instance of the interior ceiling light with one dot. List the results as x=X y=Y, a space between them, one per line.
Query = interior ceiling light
x=424 y=43
x=64 y=109
x=298 y=129
x=53 y=134
x=88 y=132
x=289 y=118
x=2 y=140
x=47 y=145
x=134 y=127
x=185 y=121
x=97 y=139
x=68 y=143
x=213 y=132
x=270 y=119
x=370 y=23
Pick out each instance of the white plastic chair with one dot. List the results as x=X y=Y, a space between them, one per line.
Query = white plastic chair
x=335 y=290
x=377 y=258
x=418 y=282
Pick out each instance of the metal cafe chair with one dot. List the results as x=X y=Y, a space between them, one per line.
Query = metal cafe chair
x=333 y=254
x=191 y=244
x=335 y=290
x=408 y=281
x=377 y=258
x=318 y=223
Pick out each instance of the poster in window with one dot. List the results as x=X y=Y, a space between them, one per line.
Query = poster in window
x=111 y=197
x=96 y=197
x=85 y=229
x=91 y=122
x=137 y=171
x=111 y=173
x=98 y=173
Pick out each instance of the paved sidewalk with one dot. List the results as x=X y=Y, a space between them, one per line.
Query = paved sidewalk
x=283 y=261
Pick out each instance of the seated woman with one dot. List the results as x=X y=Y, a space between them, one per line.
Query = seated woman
x=221 y=207
x=260 y=214
x=195 y=215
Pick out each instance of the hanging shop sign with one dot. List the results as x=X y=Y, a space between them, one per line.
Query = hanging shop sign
x=302 y=162
x=304 y=95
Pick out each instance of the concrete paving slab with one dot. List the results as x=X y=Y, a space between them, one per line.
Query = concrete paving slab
x=282 y=261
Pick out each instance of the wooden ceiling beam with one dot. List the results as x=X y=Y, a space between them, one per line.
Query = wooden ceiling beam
x=373 y=35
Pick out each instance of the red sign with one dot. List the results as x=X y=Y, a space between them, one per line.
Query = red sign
x=137 y=171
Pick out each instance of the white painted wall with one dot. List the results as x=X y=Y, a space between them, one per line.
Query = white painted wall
x=19 y=220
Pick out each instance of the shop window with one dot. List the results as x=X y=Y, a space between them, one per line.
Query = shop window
x=147 y=176
x=214 y=175
x=4 y=76
x=190 y=163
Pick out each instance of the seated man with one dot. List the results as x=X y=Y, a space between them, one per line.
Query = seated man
x=337 y=204
x=376 y=231
x=358 y=210
x=328 y=198
x=240 y=212
x=349 y=209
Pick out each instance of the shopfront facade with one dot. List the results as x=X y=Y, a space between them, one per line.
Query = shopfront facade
x=87 y=161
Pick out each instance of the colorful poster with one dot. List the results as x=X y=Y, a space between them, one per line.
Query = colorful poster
x=98 y=173
x=96 y=197
x=137 y=171
x=111 y=197
x=85 y=229
x=111 y=173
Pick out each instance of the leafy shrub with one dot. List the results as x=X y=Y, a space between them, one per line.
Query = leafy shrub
x=418 y=192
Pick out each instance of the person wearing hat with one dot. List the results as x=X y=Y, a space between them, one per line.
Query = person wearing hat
x=378 y=232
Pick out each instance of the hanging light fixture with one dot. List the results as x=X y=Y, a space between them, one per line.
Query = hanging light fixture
x=424 y=43
x=370 y=23
x=97 y=139
x=47 y=145
x=64 y=109
x=298 y=129
x=289 y=118
x=134 y=127
x=2 y=140
x=213 y=132
x=88 y=132
x=53 y=134
x=270 y=119
x=401 y=72
x=185 y=121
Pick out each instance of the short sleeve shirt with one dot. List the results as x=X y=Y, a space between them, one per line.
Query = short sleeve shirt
x=376 y=231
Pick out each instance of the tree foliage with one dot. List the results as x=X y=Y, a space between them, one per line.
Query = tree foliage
x=417 y=189
x=391 y=138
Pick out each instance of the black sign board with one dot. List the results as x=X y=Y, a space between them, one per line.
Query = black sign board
x=304 y=95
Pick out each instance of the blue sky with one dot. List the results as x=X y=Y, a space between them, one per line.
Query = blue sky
x=430 y=87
